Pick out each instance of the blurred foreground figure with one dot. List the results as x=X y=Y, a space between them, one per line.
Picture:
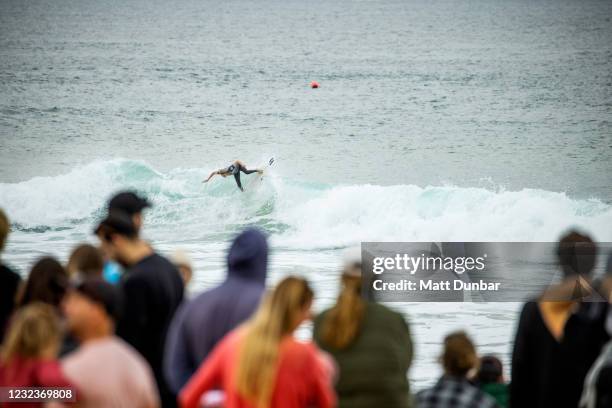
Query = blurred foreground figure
x=131 y=204
x=48 y=283
x=107 y=371
x=490 y=379
x=85 y=262
x=152 y=290
x=597 y=391
x=454 y=390
x=9 y=280
x=558 y=337
x=29 y=352
x=202 y=322
x=184 y=264
x=370 y=343
x=261 y=364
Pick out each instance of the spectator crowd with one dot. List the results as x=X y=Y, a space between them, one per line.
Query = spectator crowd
x=115 y=326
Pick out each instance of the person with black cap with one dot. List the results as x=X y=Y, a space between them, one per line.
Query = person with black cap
x=152 y=287
x=107 y=371
x=130 y=203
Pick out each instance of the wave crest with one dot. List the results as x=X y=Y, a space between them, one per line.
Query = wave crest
x=301 y=215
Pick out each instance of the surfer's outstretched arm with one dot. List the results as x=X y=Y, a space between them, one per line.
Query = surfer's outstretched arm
x=211 y=176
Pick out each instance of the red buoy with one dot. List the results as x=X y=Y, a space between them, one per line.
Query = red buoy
x=314 y=84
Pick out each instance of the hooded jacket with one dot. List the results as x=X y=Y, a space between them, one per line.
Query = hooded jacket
x=202 y=322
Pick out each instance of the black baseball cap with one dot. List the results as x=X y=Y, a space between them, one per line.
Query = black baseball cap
x=128 y=202
x=117 y=222
x=102 y=292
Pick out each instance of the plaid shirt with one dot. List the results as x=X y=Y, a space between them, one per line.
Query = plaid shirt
x=452 y=392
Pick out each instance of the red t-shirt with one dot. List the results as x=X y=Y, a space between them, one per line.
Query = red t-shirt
x=302 y=380
x=30 y=373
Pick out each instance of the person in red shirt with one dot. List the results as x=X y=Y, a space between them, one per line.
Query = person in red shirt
x=260 y=364
x=29 y=353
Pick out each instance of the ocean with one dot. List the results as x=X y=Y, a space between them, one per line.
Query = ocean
x=435 y=121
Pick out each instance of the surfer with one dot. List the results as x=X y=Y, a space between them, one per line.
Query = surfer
x=235 y=168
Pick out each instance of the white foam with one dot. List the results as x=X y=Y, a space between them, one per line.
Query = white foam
x=311 y=216
x=345 y=215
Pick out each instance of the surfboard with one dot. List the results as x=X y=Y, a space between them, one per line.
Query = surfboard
x=259 y=178
x=270 y=163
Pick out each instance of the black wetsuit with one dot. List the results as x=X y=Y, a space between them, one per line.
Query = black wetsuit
x=235 y=169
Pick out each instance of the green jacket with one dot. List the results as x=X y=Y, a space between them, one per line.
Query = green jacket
x=374 y=368
x=498 y=391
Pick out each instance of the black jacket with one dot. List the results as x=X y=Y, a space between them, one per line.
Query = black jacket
x=9 y=283
x=152 y=290
x=550 y=373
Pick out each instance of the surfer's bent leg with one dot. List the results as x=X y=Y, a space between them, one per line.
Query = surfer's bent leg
x=245 y=171
x=237 y=177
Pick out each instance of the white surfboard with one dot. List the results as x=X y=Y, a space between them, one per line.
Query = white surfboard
x=257 y=180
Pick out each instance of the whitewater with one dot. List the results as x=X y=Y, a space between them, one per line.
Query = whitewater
x=301 y=215
x=309 y=224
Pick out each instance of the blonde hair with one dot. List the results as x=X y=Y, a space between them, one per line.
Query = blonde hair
x=5 y=228
x=343 y=322
x=278 y=316
x=33 y=330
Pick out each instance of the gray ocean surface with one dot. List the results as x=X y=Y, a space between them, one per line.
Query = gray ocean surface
x=435 y=121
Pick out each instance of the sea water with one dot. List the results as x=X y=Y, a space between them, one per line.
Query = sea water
x=434 y=121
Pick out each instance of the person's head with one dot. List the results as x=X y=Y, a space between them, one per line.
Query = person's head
x=286 y=307
x=248 y=256
x=459 y=355
x=577 y=254
x=342 y=322
x=92 y=309
x=5 y=228
x=47 y=283
x=118 y=237
x=490 y=370
x=182 y=261
x=34 y=333
x=85 y=262
x=130 y=203
x=281 y=312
